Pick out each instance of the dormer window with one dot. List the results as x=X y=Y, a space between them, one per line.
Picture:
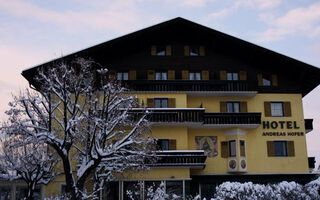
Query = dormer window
x=195 y=76
x=123 y=76
x=194 y=51
x=266 y=80
x=232 y=76
x=161 y=51
x=161 y=76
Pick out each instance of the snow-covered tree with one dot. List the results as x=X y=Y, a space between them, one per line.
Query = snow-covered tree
x=88 y=119
x=30 y=162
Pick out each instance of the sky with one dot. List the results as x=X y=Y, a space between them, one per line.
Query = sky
x=36 y=31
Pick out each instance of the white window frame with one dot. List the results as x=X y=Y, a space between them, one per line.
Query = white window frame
x=275 y=110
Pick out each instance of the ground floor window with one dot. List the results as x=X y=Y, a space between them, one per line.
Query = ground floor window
x=110 y=191
x=22 y=192
x=141 y=190
x=150 y=188
x=132 y=190
x=174 y=188
x=5 y=193
x=207 y=190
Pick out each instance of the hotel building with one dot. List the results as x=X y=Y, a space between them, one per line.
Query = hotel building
x=223 y=109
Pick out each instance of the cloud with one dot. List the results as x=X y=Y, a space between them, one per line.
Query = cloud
x=305 y=21
x=260 y=5
x=13 y=60
x=220 y=14
x=193 y=3
x=119 y=16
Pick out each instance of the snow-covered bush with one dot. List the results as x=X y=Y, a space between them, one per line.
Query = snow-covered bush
x=236 y=190
x=312 y=189
x=279 y=191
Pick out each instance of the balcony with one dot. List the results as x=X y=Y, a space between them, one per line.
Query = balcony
x=195 y=88
x=194 y=159
x=308 y=125
x=176 y=116
x=198 y=118
x=226 y=120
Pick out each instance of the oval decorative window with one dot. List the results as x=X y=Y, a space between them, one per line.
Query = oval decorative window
x=232 y=164
x=243 y=164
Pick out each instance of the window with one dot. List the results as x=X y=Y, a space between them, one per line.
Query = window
x=161 y=76
x=161 y=103
x=163 y=144
x=161 y=51
x=233 y=107
x=134 y=187
x=123 y=76
x=280 y=148
x=194 y=76
x=266 y=81
x=194 y=51
x=232 y=76
x=110 y=190
x=242 y=148
x=174 y=188
x=63 y=187
x=232 y=148
x=150 y=186
x=276 y=109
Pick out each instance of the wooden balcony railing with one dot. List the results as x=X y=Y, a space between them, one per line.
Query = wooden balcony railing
x=188 y=85
x=232 y=118
x=176 y=115
x=198 y=115
x=187 y=158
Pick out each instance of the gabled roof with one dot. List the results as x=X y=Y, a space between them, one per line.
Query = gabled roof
x=307 y=75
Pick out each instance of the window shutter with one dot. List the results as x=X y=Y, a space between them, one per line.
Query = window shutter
x=186 y=50
x=270 y=148
x=151 y=75
x=172 y=145
x=243 y=75
x=171 y=103
x=168 y=50
x=185 y=75
x=223 y=106
x=132 y=75
x=223 y=75
x=267 y=109
x=153 y=50
x=243 y=107
x=290 y=148
x=259 y=77
x=150 y=103
x=205 y=75
x=112 y=75
x=287 y=109
x=274 y=80
x=171 y=75
x=224 y=149
x=202 y=51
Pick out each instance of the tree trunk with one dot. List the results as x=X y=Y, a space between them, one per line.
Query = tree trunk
x=70 y=184
x=31 y=188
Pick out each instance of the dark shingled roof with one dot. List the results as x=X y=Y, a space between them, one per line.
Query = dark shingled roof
x=307 y=75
